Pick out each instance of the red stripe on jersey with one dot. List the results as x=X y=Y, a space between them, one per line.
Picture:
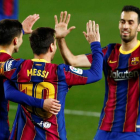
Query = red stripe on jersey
x=73 y=79
x=109 y=109
x=107 y=121
x=22 y=75
x=4 y=57
x=8 y=6
x=28 y=130
x=52 y=76
x=132 y=107
x=53 y=130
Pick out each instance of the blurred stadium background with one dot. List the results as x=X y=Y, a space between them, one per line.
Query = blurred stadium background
x=89 y=98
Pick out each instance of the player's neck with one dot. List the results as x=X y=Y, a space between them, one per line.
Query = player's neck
x=8 y=49
x=129 y=45
x=43 y=56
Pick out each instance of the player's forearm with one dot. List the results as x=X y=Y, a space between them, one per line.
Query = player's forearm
x=69 y=58
x=95 y=72
x=12 y=94
x=67 y=55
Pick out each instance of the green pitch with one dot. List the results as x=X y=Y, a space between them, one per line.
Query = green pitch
x=82 y=98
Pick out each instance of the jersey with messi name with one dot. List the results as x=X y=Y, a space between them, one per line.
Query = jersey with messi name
x=4 y=105
x=42 y=80
x=121 y=110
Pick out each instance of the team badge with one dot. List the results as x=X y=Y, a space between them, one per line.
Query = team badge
x=76 y=70
x=135 y=60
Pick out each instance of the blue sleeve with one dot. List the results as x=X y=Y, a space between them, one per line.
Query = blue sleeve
x=77 y=76
x=95 y=72
x=13 y=94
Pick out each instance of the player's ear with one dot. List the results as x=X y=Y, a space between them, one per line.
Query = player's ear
x=15 y=41
x=138 y=28
x=52 y=47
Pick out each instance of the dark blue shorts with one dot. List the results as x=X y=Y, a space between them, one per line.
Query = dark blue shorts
x=107 y=135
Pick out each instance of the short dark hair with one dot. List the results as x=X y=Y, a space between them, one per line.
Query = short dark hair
x=130 y=8
x=9 y=28
x=41 y=39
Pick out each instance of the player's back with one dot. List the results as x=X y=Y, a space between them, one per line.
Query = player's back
x=46 y=80
x=53 y=85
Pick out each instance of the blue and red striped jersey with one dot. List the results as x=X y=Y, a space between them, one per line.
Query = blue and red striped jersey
x=8 y=9
x=42 y=80
x=4 y=105
x=121 y=110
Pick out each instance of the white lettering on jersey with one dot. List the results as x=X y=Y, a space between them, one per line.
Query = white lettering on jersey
x=76 y=70
x=119 y=76
x=44 y=124
x=8 y=65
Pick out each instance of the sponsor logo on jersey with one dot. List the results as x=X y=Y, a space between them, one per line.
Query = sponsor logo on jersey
x=8 y=65
x=44 y=124
x=135 y=60
x=112 y=61
x=76 y=70
x=119 y=76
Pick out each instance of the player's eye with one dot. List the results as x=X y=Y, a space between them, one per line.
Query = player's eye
x=122 y=21
x=131 y=22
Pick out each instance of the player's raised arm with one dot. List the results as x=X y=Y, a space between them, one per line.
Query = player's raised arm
x=61 y=28
x=95 y=72
x=29 y=22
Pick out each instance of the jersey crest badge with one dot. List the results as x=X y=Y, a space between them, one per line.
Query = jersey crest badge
x=135 y=60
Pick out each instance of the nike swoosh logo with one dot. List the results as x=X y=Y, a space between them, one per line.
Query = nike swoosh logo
x=112 y=61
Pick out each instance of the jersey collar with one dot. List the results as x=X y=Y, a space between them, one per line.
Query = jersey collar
x=130 y=51
x=40 y=60
x=3 y=51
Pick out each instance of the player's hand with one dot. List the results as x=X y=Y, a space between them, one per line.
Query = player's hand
x=62 y=25
x=92 y=32
x=28 y=23
x=52 y=106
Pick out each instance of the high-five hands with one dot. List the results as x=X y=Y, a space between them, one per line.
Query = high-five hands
x=62 y=25
x=92 y=34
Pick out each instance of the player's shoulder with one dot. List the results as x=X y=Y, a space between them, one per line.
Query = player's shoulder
x=4 y=56
x=38 y=63
x=113 y=45
x=62 y=66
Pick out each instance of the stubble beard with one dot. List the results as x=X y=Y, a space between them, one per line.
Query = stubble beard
x=127 y=39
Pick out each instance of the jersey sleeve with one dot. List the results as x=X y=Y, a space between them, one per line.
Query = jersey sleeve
x=89 y=55
x=13 y=94
x=77 y=76
x=11 y=68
